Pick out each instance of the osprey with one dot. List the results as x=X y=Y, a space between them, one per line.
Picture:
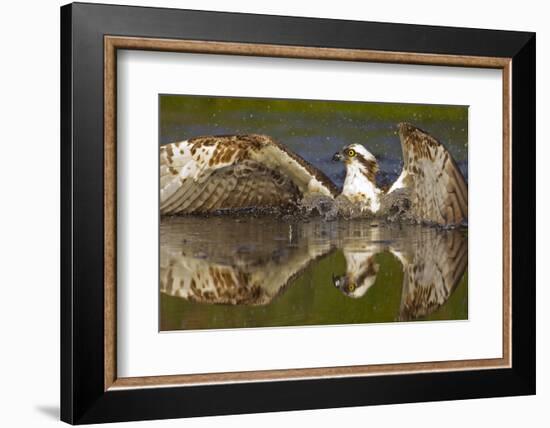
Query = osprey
x=224 y=173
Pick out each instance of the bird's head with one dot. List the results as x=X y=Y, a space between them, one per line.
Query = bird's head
x=357 y=155
x=356 y=284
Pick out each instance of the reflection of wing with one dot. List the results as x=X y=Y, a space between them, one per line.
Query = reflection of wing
x=206 y=281
x=437 y=190
x=431 y=272
x=206 y=174
x=224 y=261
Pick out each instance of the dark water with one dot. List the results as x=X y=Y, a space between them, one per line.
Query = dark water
x=231 y=272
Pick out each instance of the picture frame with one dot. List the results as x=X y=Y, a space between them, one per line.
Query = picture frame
x=91 y=35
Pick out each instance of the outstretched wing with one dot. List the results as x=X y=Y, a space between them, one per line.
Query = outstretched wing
x=208 y=174
x=437 y=190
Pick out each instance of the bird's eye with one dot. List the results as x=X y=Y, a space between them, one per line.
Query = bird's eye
x=351 y=287
x=351 y=153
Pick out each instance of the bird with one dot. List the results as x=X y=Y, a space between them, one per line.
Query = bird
x=430 y=182
x=228 y=173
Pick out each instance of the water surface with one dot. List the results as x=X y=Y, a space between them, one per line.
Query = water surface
x=234 y=272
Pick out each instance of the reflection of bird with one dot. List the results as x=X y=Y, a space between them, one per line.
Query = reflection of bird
x=206 y=281
x=209 y=174
x=433 y=263
x=233 y=263
x=361 y=271
x=360 y=245
x=431 y=272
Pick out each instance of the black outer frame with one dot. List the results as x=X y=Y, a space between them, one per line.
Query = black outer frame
x=83 y=399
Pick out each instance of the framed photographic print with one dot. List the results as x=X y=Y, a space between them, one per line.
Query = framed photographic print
x=275 y=213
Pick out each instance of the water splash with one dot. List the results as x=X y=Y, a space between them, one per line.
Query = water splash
x=395 y=208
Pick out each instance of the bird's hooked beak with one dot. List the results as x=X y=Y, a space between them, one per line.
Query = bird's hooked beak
x=337 y=157
x=338 y=281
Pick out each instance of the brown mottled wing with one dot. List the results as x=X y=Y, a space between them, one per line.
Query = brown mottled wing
x=437 y=189
x=432 y=269
x=210 y=174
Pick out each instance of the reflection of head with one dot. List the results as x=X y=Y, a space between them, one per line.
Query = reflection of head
x=356 y=282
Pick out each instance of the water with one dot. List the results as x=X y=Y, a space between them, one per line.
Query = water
x=244 y=271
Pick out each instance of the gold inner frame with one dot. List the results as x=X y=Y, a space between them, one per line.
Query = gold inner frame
x=113 y=43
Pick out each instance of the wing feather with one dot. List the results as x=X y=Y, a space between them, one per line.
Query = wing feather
x=209 y=174
x=436 y=187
